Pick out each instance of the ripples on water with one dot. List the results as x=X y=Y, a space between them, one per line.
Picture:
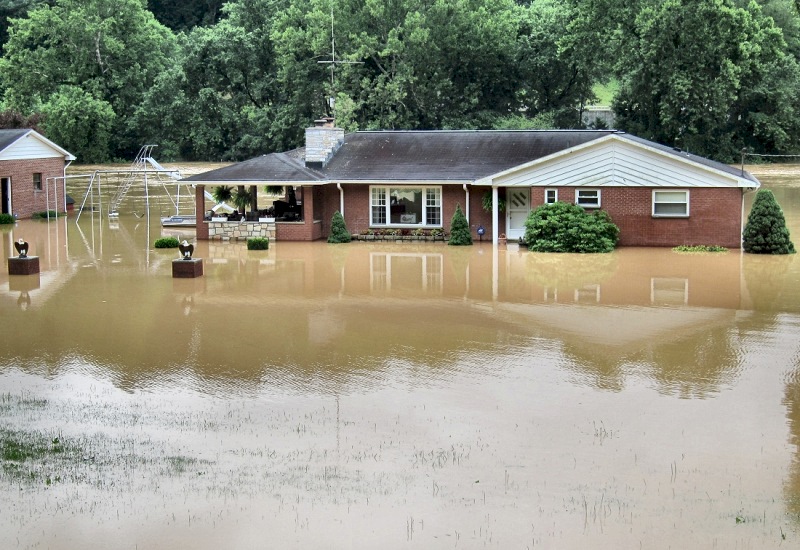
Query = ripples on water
x=401 y=395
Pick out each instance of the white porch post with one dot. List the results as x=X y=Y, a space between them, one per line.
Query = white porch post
x=495 y=216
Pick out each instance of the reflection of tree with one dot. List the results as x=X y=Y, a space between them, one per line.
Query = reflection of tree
x=766 y=277
x=696 y=365
x=569 y=271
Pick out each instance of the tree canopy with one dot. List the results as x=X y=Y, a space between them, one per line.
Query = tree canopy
x=208 y=80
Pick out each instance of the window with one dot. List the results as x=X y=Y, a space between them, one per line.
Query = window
x=550 y=196
x=674 y=204
x=588 y=198
x=37 y=181
x=415 y=206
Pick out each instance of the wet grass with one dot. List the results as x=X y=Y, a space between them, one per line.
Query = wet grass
x=35 y=456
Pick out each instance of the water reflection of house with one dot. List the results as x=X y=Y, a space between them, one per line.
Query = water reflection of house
x=406 y=180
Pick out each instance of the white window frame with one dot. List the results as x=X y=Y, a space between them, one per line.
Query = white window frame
x=428 y=201
x=670 y=214
x=584 y=204
x=555 y=196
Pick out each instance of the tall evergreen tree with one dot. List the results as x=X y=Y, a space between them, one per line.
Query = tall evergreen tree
x=766 y=231
x=460 y=234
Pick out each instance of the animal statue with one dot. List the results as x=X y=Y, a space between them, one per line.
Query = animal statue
x=22 y=248
x=186 y=249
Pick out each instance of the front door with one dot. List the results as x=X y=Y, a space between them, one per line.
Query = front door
x=518 y=206
x=5 y=195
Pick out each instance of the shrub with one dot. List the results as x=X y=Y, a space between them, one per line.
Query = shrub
x=339 y=233
x=459 y=229
x=766 y=231
x=258 y=243
x=44 y=215
x=699 y=248
x=6 y=219
x=167 y=242
x=563 y=227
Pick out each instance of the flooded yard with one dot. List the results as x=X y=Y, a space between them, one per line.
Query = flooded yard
x=397 y=395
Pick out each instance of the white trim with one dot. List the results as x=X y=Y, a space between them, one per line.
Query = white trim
x=555 y=198
x=653 y=203
x=736 y=181
x=423 y=222
x=580 y=190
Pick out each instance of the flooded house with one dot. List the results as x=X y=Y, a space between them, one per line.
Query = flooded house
x=410 y=180
x=32 y=170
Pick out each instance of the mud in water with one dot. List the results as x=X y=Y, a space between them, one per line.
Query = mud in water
x=401 y=395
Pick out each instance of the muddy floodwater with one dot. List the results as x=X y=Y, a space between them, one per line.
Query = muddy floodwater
x=397 y=395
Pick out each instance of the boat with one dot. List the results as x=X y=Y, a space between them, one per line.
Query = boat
x=179 y=221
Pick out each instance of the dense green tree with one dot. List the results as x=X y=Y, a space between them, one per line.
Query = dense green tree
x=565 y=227
x=766 y=231
x=112 y=50
x=184 y=15
x=339 y=232
x=80 y=123
x=704 y=75
x=15 y=8
x=460 y=233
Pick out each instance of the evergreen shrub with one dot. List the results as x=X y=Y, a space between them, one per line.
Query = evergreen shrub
x=258 y=243
x=339 y=233
x=6 y=219
x=167 y=242
x=766 y=231
x=459 y=229
x=44 y=215
x=563 y=227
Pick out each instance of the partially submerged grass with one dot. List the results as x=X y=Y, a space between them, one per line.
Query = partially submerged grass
x=700 y=248
x=27 y=456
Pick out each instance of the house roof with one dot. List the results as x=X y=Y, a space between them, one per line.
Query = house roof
x=266 y=169
x=10 y=137
x=444 y=156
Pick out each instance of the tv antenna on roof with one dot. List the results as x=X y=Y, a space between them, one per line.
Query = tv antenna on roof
x=333 y=62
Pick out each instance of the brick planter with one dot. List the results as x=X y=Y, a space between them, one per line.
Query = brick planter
x=23 y=266
x=187 y=269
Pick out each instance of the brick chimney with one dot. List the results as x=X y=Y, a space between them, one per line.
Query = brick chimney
x=322 y=140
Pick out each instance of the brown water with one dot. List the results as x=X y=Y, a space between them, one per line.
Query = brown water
x=401 y=395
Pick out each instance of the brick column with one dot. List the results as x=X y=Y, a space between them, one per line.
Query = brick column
x=202 y=225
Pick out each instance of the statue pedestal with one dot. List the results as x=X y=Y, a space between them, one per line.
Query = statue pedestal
x=23 y=266
x=187 y=269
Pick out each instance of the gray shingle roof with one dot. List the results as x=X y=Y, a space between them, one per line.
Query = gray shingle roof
x=445 y=155
x=275 y=167
x=7 y=137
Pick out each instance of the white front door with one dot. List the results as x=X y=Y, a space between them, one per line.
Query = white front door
x=518 y=206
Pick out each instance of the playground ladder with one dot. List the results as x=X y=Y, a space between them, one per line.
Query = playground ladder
x=139 y=164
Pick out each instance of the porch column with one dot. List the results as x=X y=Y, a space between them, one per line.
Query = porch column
x=201 y=225
x=495 y=216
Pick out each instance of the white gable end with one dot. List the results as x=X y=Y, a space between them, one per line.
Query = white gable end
x=32 y=146
x=618 y=163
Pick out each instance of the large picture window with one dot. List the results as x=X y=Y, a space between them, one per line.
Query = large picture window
x=671 y=204
x=414 y=206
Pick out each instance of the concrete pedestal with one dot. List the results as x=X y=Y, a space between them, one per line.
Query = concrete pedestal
x=23 y=266
x=187 y=269
x=24 y=284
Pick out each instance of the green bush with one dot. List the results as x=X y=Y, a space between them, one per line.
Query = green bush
x=459 y=229
x=339 y=233
x=699 y=248
x=167 y=242
x=44 y=215
x=563 y=227
x=766 y=231
x=258 y=243
x=6 y=219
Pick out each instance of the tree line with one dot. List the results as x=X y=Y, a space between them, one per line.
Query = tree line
x=207 y=80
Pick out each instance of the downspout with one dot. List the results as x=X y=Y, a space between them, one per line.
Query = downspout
x=466 y=200
x=495 y=216
x=341 y=198
x=64 y=194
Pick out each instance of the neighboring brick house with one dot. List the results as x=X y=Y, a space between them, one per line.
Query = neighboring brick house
x=32 y=170
x=658 y=196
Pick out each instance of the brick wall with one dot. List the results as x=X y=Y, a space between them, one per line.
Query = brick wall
x=714 y=216
x=24 y=199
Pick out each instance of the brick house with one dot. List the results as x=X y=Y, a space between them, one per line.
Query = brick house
x=32 y=170
x=657 y=195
